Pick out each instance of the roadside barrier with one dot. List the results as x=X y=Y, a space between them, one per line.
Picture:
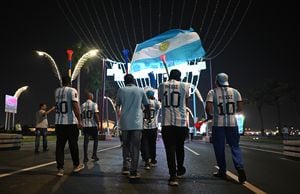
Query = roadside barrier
x=291 y=148
x=10 y=141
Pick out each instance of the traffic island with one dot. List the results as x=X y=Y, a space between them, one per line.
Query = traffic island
x=10 y=141
x=291 y=148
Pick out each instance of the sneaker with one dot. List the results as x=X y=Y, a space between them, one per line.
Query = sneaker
x=153 y=163
x=134 y=175
x=181 y=172
x=85 y=160
x=45 y=149
x=242 y=175
x=94 y=157
x=219 y=175
x=173 y=181
x=125 y=171
x=60 y=172
x=147 y=166
x=36 y=151
x=78 y=168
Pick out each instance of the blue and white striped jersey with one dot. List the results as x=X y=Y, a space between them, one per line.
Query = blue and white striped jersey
x=224 y=101
x=64 y=97
x=154 y=106
x=173 y=96
x=88 y=111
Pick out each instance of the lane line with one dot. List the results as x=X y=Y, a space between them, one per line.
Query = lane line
x=109 y=148
x=246 y=184
x=27 y=169
x=270 y=151
x=46 y=164
x=189 y=149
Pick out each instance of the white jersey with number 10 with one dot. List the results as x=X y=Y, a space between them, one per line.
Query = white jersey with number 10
x=173 y=96
x=225 y=101
x=64 y=98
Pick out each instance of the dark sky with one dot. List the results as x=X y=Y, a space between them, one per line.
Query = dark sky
x=262 y=47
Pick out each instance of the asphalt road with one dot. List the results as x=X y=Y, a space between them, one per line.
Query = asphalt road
x=23 y=171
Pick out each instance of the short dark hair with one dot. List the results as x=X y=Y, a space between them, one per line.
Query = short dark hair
x=66 y=80
x=128 y=79
x=41 y=104
x=175 y=74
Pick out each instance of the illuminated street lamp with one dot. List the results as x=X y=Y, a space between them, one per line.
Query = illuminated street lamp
x=53 y=64
x=11 y=106
x=79 y=65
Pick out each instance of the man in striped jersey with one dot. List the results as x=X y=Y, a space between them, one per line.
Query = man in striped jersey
x=90 y=123
x=173 y=95
x=67 y=122
x=129 y=105
x=222 y=103
x=148 y=146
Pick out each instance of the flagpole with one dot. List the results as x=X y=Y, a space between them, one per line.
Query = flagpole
x=163 y=59
x=210 y=71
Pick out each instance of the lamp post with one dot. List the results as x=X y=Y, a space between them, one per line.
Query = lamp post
x=8 y=113
x=79 y=65
x=53 y=64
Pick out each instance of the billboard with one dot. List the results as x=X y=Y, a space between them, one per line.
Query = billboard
x=11 y=103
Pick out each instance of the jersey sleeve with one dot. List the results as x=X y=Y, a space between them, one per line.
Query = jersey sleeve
x=74 y=95
x=187 y=90
x=209 y=97
x=238 y=96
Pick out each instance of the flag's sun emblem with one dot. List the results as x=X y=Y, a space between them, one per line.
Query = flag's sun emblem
x=164 y=46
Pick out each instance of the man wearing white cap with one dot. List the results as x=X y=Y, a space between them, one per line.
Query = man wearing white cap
x=222 y=103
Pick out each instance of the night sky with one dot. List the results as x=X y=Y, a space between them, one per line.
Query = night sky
x=263 y=46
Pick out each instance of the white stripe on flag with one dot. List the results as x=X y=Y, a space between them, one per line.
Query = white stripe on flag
x=174 y=43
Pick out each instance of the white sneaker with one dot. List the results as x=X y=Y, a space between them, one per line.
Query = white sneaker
x=78 y=168
x=60 y=172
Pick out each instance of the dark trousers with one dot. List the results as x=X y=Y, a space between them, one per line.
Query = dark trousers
x=231 y=134
x=66 y=133
x=87 y=132
x=148 y=145
x=38 y=133
x=173 y=138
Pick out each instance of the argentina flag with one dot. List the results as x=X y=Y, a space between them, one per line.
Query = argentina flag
x=177 y=45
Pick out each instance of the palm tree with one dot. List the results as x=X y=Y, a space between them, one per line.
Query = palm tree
x=257 y=97
x=277 y=92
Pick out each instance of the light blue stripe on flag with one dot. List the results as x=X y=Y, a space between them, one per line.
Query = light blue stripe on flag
x=177 y=45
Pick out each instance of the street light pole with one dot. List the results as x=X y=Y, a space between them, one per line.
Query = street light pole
x=53 y=64
x=79 y=65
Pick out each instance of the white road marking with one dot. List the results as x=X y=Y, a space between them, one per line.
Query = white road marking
x=189 y=149
x=246 y=184
x=110 y=148
x=46 y=164
x=27 y=169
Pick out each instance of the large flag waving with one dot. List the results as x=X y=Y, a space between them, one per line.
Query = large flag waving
x=177 y=45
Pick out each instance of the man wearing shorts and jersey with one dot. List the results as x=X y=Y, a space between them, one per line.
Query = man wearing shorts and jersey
x=67 y=122
x=90 y=123
x=222 y=103
x=173 y=95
